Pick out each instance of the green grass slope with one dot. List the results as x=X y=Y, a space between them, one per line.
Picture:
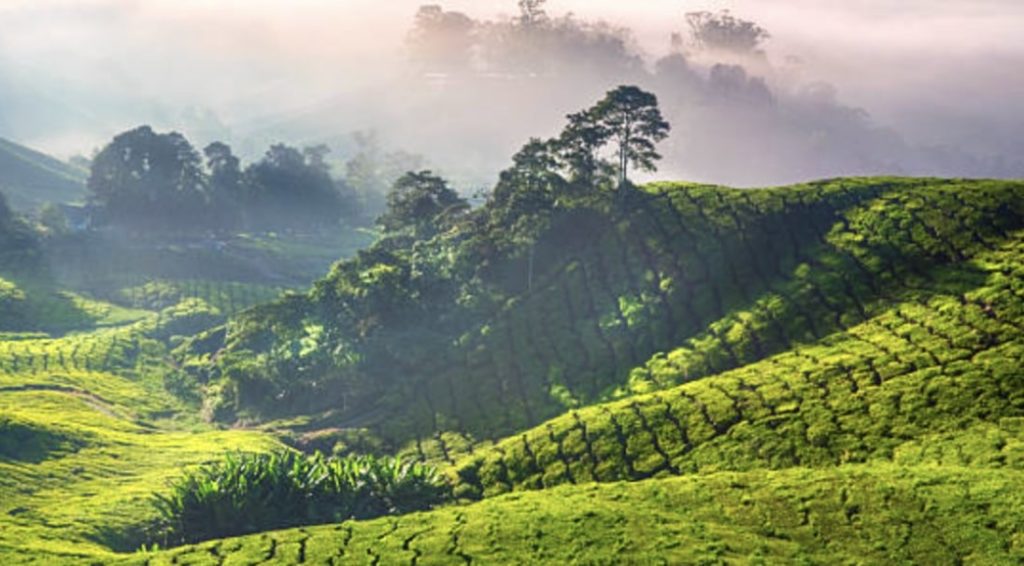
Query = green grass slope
x=691 y=282
x=89 y=432
x=30 y=178
x=946 y=356
x=852 y=515
x=828 y=373
x=94 y=416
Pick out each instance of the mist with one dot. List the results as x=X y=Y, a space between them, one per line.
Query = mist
x=838 y=88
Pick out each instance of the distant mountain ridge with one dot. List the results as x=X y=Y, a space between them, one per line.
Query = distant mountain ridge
x=30 y=178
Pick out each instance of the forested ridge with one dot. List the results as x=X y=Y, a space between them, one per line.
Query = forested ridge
x=849 y=389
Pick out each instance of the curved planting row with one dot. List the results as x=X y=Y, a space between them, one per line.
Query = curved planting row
x=716 y=278
x=228 y=297
x=947 y=356
x=873 y=515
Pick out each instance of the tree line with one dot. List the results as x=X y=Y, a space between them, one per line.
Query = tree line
x=441 y=266
x=151 y=181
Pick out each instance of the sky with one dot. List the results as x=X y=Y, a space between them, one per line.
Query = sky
x=937 y=71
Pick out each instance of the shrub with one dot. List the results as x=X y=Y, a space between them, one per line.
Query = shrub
x=248 y=493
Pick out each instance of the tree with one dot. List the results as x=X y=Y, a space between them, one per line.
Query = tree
x=579 y=144
x=19 y=244
x=724 y=32
x=531 y=12
x=225 y=169
x=371 y=171
x=630 y=117
x=289 y=188
x=525 y=196
x=440 y=41
x=422 y=203
x=149 y=180
x=52 y=218
x=6 y=214
x=225 y=184
x=531 y=184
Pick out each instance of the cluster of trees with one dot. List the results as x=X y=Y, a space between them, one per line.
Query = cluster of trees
x=158 y=181
x=716 y=77
x=536 y=44
x=625 y=125
x=530 y=44
x=441 y=266
x=590 y=160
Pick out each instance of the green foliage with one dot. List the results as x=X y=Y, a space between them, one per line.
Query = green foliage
x=681 y=283
x=850 y=515
x=153 y=182
x=148 y=180
x=821 y=373
x=246 y=493
x=421 y=204
x=53 y=220
x=25 y=441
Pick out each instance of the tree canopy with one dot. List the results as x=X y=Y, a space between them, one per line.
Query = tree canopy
x=631 y=118
x=158 y=182
x=148 y=180
x=421 y=203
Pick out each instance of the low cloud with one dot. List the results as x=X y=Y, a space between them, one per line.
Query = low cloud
x=861 y=86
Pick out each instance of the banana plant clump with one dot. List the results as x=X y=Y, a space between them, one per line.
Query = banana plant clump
x=249 y=493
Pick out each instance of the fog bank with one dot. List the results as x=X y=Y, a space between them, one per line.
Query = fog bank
x=839 y=87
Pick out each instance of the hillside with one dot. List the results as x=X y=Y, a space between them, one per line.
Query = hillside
x=687 y=282
x=30 y=178
x=820 y=373
x=853 y=515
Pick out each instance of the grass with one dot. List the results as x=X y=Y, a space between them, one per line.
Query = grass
x=249 y=493
x=89 y=432
x=94 y=497
x=936 y=362
x=878 y=514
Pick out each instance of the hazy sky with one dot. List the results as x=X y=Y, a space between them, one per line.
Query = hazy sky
x=939 y=71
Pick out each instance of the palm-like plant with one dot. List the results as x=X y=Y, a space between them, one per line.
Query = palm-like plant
x=246 y=493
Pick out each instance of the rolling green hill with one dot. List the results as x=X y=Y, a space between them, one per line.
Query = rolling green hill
x=30 y=178
x=851 y=515
x=685 y=283
x=825 y=373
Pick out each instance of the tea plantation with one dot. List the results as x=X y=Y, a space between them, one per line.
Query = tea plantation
x=830 y=373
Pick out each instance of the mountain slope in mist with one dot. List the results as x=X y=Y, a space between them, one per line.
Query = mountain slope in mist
x=30 y=178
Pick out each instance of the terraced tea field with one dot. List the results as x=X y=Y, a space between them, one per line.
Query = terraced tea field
x=827 y=373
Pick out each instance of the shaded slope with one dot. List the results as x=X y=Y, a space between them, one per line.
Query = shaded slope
x=691 y=282
x=944 y=356
x=30 y=178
